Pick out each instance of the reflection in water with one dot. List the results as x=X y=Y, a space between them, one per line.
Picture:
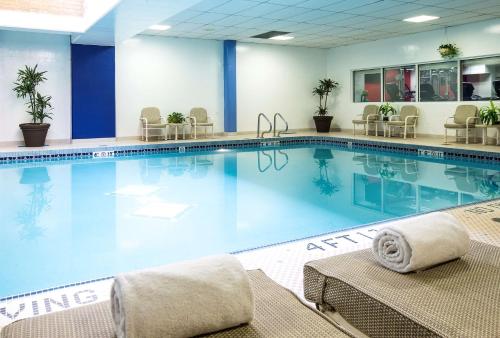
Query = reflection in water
x=489 y=186
x=279 y=159
x=391 y=185
x=38 y=201
x=323 y=182
x=200 y=166
x=152 y=168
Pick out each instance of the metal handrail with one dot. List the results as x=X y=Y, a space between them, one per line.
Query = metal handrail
x=285 y=155
x=259 y=165
x=258 y=126
x=286 y=125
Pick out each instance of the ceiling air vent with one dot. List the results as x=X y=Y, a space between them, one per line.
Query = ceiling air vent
x=270 y=34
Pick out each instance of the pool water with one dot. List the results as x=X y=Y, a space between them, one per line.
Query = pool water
x=69 y=221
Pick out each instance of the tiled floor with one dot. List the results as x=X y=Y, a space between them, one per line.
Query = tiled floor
x=421 y=140
x=283 y=262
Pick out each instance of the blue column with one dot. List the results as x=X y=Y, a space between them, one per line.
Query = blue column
x=93 y=91
x=229 y=86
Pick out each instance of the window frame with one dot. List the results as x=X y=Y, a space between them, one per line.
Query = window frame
x=417 y=70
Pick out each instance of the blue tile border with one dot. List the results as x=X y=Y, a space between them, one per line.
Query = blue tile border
x=208 y=145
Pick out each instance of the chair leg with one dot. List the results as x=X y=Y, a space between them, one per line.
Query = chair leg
x=366 y=129
x=147 y=134
x=404 y=132
x=445 y=135
x=194 y=131
x=353 y=129
x=213 y=134
x=466 y=135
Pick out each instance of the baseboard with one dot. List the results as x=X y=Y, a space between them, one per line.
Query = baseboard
x=94 y=140
x=21 y=143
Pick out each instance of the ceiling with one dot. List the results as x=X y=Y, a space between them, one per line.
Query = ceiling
x=321 y=23
x=313 y=23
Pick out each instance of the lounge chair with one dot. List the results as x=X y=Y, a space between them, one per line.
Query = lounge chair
x=278 y=313
x=455 y=299
x=370 y=116
x=465 y=118
x=151 y=119
x=199 y=118
x=407 y=118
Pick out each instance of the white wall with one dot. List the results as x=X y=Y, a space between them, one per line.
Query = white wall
x=477 y=39
x=277 y=79
x=169 y=73
x=51 y=53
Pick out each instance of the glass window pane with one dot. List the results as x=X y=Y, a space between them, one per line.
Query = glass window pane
x=400 y=84
x=367 y=85
x=481 y=79
x=438 y=82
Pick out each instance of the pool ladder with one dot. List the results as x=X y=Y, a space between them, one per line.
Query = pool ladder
x=272 y=127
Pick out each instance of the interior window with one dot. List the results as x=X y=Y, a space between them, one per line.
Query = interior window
x=367 y=85
x=438 y=82
x=400 y=84
x=481 y=79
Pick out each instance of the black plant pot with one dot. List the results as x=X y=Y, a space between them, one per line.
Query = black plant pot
x=385 y=118
x=323 y=123
x=34 y=133
x=322 y=154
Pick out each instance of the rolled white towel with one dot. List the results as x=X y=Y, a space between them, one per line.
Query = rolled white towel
x=420 y=242
x=183 y=299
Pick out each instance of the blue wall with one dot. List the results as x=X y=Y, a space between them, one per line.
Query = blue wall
x=230 y=86
x=93 y=91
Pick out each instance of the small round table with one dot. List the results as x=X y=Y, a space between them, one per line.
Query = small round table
x=485 y=128
x=177 y=126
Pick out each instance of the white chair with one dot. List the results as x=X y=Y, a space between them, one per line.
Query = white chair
x=151 y=119
x=407 y=118
x=465 y=118
x=199 y=118
x=369 y=116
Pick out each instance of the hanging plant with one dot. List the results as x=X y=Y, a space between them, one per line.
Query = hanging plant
x=448 y=50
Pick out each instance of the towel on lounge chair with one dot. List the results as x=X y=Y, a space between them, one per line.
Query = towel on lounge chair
x=183 y=299
x=420 y=242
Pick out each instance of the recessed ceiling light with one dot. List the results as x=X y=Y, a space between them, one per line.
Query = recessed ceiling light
x=282 y=37
x=159 y=27
x=421 y=18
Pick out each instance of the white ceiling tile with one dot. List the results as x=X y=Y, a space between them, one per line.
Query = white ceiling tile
x=207 y=17
x=317 y=4
x=233 y=20
x=234 y=6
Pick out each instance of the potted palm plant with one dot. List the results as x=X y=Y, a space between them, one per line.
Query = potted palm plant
x=386 y=109
x=322 y=120
x=489 y=114
x=38 y=105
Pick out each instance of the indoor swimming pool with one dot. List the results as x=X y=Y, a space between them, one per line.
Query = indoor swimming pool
x=70 y=221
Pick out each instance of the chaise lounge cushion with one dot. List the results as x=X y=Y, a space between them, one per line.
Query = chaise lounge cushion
x=396 y=123
x=278 y=313
x=456 y=299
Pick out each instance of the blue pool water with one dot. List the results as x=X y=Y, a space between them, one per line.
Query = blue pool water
x=69 y=221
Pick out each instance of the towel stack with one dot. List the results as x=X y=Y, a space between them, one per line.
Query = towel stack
x=420 y=242
x=183 y=299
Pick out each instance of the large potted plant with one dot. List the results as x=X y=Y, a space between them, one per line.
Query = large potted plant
x=489 y=114
x=38 y=105
x=322 y=120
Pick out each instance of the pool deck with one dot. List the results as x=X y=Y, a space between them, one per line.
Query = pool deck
x=424 y=140
x=282 y=262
